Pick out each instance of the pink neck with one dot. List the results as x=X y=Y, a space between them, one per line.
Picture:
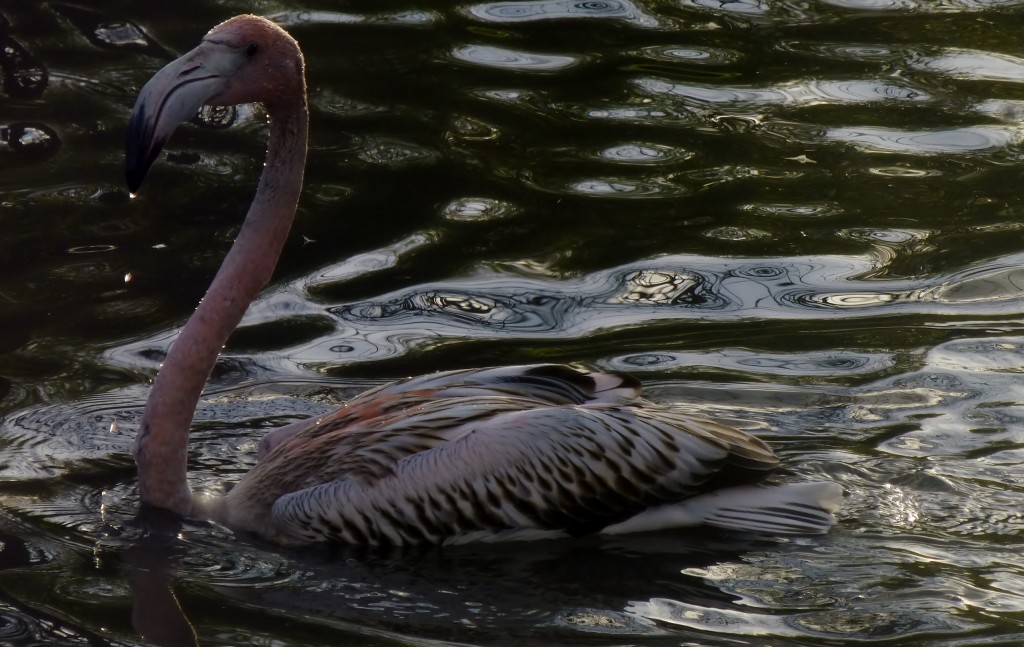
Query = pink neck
x=162 y=442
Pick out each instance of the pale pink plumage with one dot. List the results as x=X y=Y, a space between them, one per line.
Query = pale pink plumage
x=505 y=453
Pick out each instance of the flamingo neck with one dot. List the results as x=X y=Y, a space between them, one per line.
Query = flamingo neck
x=162 y=442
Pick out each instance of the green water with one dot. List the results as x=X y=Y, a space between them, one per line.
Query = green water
x=801 y=218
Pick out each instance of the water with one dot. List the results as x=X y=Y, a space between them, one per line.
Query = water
x=801 y=218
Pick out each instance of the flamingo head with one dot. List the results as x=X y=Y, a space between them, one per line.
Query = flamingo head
x=246 y=59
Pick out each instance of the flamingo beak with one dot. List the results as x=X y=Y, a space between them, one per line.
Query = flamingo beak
x=172 y=97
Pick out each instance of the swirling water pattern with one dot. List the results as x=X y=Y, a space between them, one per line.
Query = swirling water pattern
x=800 y=218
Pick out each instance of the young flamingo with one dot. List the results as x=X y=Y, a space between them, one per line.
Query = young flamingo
x=503 y=453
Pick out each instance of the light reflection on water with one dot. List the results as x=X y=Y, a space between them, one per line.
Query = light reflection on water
x=799 y=218
x=493 y=304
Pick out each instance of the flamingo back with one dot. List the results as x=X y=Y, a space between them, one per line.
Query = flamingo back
x=482 y=453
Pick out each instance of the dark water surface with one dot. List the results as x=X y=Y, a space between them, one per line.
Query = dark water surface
x=800 y=217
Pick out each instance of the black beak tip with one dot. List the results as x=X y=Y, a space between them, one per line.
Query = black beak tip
x=140 y=153
x=134 y=174
x=141 y=148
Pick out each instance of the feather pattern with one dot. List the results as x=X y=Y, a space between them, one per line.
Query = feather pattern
x=489 y=454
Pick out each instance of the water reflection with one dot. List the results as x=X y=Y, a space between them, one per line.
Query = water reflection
x=820 y=363
x=805 y=210
x=22 y=76
x=698 y=287
x=513 y=12
x=496 y=304
x=412 y=18
x=478 y=209
x=736 y=99
x=741 y=7
x=923 y=5
x=29 y=140
x=975 y=65
x=690 y=55
x=490 y=593
x=105 y=31
x=509 y=59
x=643 y=154
x=957 y=140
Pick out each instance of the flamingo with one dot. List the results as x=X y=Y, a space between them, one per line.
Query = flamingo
x=508 y=453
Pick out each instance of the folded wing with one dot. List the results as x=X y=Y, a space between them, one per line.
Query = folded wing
x=569 y=468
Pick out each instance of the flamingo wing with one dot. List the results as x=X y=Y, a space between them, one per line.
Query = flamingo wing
x=473 y=466
x=541 y=384
x=551 y=384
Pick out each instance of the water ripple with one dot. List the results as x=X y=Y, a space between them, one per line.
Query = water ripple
x=463 y=310
x=738 y=7
x=412 y=18
x=690 y=55
x=385 y=151
x=838 y=363
x=49 y=442
x=737 y=234
x=902 y=171
x=632 y=113
x=955 y=140
x=528 y=11
x=877 y=5
x=719 y=621
x=793 y=94
x=975 y=65
x=661 y=287
x=636 y=153
x=1002 y=354
x=923 y=6
x=682 y=287
x=826 y=623
x=502 y=301
x=33 y=141
x=843 y=50
x=28 y=627
x=110 y=32
x=804 y=210
x=626 y=188
x=366 y=262
x=503 y=58
x=885 y=236
x=478 y=210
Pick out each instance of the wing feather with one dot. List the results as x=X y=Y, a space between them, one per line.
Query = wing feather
x=487 y=452
x=541 y=383
x=576 y=468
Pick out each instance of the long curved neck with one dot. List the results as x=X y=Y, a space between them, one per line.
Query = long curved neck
x=162 y=442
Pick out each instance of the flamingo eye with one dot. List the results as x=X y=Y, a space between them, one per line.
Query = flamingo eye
x=251 y=49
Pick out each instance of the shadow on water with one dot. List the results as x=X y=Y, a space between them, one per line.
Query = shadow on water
x=554 y=591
